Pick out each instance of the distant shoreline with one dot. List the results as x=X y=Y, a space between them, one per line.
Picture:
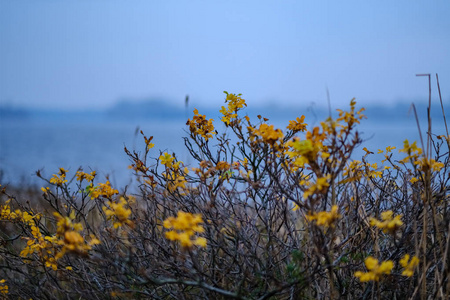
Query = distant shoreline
x=163 y=110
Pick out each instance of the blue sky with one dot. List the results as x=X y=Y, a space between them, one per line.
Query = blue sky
x=88 y=54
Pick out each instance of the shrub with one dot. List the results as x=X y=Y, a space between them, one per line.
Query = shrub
x=262 y=213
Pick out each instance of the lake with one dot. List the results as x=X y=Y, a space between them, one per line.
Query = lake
x=31 y=144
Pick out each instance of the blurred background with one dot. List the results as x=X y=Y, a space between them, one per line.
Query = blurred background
x=77 y=78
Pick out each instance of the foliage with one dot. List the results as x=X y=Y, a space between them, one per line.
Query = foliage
x=263 y=213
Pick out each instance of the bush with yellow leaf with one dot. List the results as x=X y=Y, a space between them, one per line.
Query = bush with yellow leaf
x=260 y=213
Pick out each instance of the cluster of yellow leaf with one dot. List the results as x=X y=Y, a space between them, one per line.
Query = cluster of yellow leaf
x=68 y=235
x=426 y=164
x=201 y=126
x=297 y=124
x=388 y=223
x=119 y=212
x=185 y=226
x=174 y=173
x=413 y=152
x=138 y=167
x=350 y=117
x=6 y=214
x=267 y=134
x=386 y=154
x=325 y=218
x=355 y=170
x=205 y=170
x=85 y=176
x=307 y=151
x=38 y=243
x=235 y=103
x=317 y=187
x=60 y=178
x=167 y=160
x=208 y=170
x=222 y=166
x=3 y=287
x=148 y=141
x=408 y=265
x=102 y=190
x=375 y=269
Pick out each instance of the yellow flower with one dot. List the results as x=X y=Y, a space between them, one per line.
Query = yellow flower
x=409 y=266
x=375 y=269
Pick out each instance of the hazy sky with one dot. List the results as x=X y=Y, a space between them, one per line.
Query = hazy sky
x=88 y=54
